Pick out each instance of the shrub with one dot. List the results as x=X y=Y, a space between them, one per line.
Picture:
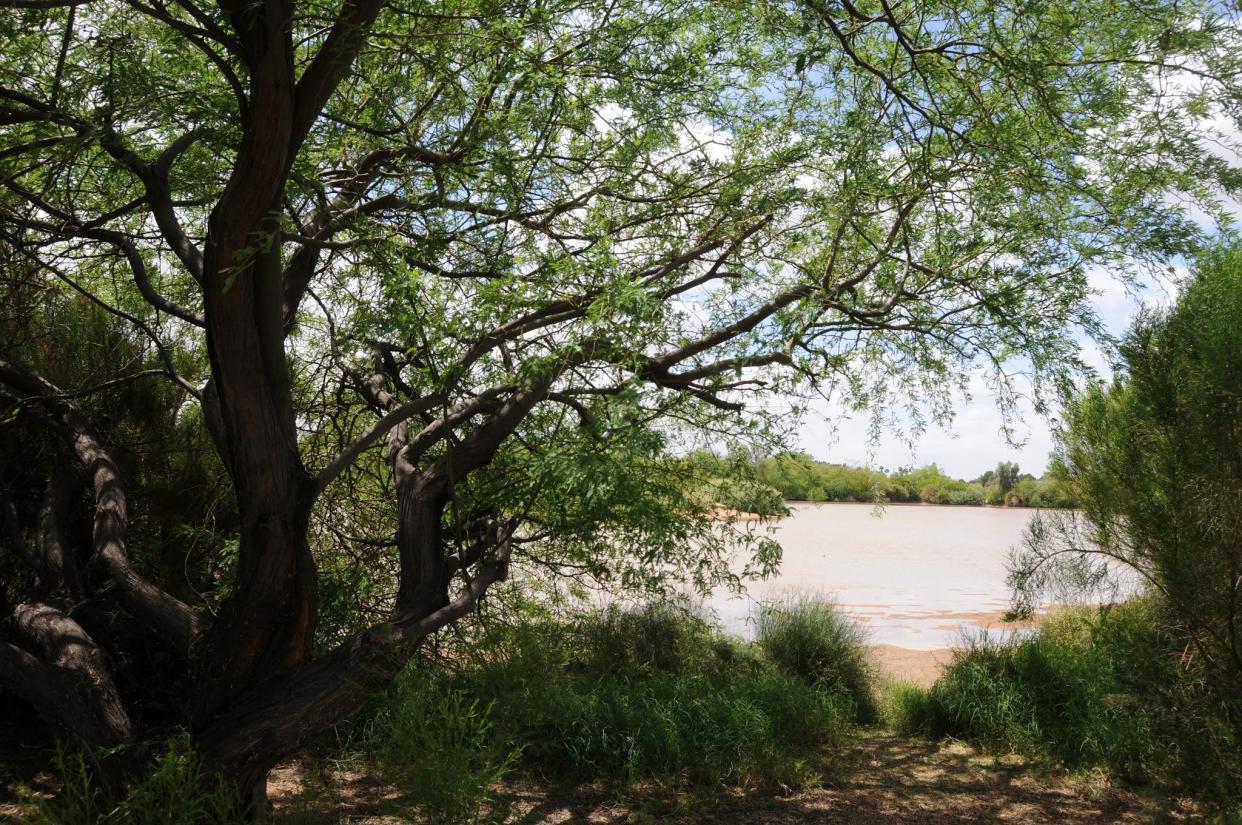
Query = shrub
x=652 y=693
x=1095 y=687
x=662 y=637
x=1153 y=457
x=970 y=496
x=813 y=641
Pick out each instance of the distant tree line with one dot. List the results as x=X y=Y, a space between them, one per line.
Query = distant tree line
x=796 y=476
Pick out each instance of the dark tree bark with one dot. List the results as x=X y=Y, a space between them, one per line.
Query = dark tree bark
x=58 y=572
x=70 y=681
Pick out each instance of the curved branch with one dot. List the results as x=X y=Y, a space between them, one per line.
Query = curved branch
x=160 y=349
x=71 y=687
x=57 y=568
x=172 y=619
x=392 y=418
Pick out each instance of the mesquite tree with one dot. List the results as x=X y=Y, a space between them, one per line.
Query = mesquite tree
x=440 y=283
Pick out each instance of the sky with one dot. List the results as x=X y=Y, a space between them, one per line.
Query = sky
x=974 y=441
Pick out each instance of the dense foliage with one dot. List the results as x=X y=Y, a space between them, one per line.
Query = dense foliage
x=623 y=696
x=1157 y=458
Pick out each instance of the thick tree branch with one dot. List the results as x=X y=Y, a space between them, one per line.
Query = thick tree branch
x=72 y=687
x=173 y=620
x=286 y=713
x=331 y=64
x=154 y=178
x=59 y=570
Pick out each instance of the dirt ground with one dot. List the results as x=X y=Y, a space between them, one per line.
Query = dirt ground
x=884 y=779
x=881 y=779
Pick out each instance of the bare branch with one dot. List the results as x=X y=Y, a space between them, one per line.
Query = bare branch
x=390 y=419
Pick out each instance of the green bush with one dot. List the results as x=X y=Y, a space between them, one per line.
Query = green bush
x=812 y=640
x=1094 y=687
x=651 y=693
x=434 y=743
x=659 y=638
x=970 y=496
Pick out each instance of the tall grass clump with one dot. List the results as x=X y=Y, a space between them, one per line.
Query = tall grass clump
x=908 y=709
x=175 y=792
x=812 y=640
x=650 y=693
x=1094 y=687
x=435 y=744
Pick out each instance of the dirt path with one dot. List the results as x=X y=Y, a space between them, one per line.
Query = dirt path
x=884 y=779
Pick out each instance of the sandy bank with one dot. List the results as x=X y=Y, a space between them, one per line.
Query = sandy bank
x=922 y=667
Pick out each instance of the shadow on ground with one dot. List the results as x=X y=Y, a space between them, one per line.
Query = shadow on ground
x=883 y=779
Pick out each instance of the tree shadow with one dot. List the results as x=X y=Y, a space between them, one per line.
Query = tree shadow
x=881 y=778
x=25 y=760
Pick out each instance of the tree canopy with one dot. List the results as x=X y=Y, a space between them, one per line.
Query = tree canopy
x=356 y=304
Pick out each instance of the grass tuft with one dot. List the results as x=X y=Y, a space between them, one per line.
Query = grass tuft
x=175 y=792
x=812 y=640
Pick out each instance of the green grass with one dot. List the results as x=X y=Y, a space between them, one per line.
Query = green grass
x=434 y=744
x=907 y=709
x=811 y=639
x=1091 y=689
x=173 y=793
x=649 y=694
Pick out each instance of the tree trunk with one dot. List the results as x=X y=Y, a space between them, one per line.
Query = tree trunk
x=267 y=624
x=72 y=684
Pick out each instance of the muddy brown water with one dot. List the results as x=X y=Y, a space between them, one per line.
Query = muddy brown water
x=917 y=577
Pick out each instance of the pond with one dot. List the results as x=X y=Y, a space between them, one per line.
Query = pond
x=915 y=575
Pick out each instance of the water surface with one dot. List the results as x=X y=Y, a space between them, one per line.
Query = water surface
x=915 y=575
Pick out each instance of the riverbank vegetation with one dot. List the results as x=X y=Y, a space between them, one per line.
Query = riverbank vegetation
x=1107 y=689
x=1150 y=688
x=737 y=481
x=613 y=700
x=621 y=696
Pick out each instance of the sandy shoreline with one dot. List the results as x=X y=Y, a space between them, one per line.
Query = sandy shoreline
x=922 y=667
